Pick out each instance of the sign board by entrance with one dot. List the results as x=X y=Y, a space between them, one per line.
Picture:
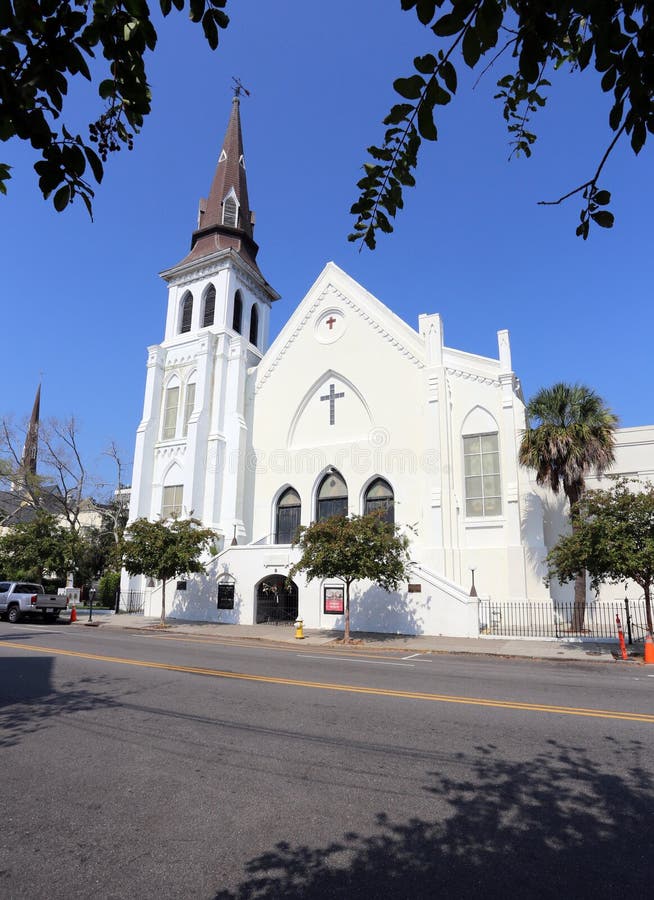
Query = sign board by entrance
x=225 y=596
x=334 y=600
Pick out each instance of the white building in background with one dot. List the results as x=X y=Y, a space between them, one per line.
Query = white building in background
x=349 y=409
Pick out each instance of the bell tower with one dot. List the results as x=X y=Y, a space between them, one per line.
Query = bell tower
x=191 y=445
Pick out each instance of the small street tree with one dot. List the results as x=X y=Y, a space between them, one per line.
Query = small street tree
x=30 y=550
x=165 y=549
x=613 y=540
x=570 y=433
x=353 y=548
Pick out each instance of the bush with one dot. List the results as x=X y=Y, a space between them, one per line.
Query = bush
x=107 y=587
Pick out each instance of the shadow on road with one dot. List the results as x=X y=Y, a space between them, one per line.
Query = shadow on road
x=28 y=699
x=552 y=826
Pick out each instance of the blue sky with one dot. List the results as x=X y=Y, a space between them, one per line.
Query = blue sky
x=82 y=300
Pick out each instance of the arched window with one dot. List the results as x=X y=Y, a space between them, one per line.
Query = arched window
x=379 y=496
x=171 y=501
x=230 y=211
x=254 y=325
x=171 y=405
x=288 y=517
x=187 y=313
x=189 y=403
x=332 y=497
x=481 y=456
x=237 y=321
x=209 y=306
x=172 y=493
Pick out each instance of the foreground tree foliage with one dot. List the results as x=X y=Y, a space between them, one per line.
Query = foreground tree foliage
x=353 y=548
x=45 y=43
x=31 y=550
x=165 y=549
x=613 y=540
x=570 y=433
x=538 y=38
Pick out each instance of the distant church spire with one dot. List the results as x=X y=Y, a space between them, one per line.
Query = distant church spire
x=31 y=445
x=225 y=220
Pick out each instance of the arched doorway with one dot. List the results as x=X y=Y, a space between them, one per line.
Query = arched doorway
x=276 y=600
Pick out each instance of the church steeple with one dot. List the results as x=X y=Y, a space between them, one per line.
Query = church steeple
x=31 y=445
x=225 y=220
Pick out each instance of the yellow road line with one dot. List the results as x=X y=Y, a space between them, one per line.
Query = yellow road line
x=347 y=688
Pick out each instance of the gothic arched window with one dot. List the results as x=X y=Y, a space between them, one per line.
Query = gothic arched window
x=237 y=321
x=189 y=403
x=187 y=313
x=230 y=211
x=332 y=497
x=483 y=486
x=209 y=306
x=287 y=521
x=254 y=325
x=379 y=496
x=171 y=405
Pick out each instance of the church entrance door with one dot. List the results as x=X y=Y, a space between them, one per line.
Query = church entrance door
x=277 y=601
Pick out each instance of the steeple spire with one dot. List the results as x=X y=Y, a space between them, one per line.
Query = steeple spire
x=225 y=220
x=31 y=445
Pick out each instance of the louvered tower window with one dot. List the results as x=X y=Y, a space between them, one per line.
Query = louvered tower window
x=209 y=306
x=237 y=321
x=187 y=314
x=230 y=211
x=254 y=325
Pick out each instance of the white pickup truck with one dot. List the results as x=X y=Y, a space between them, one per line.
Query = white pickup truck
x=19 y=599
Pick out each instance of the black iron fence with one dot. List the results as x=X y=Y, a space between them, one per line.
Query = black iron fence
x=130 y=602
x=560 y=620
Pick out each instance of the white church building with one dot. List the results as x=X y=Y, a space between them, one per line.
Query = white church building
x=349 y=409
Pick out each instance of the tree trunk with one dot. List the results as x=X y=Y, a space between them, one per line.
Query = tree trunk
x=579 y=612
x=648 y=606
x=346 y=633
x=163 y=602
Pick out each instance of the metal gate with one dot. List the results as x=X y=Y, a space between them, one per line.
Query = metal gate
x=130 y=602
x=277 y=601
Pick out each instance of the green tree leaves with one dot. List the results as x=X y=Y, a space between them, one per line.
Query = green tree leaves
x=163 y=550
x=613 y=539
x=540 y=36
x=43 y=44
x=353 y=548
x=30 y=550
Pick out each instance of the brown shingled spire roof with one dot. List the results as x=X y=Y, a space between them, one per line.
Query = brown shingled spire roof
x=225 y=219
x=31 y=445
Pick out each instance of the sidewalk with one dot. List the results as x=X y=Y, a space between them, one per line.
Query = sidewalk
x=584 y=651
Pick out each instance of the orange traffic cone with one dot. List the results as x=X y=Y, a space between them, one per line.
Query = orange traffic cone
x=649 y=649
x=73 y=615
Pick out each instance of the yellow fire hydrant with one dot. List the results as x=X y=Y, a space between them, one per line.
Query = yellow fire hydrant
x=299 y=626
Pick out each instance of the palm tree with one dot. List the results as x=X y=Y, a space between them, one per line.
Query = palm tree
x=570 y=433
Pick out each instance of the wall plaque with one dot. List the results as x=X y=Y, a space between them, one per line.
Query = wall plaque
x=225 y=596
x=415 y=588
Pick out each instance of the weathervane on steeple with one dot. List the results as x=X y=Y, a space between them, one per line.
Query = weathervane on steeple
x=239 y=87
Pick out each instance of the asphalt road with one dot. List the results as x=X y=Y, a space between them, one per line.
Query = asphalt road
x=148 y=766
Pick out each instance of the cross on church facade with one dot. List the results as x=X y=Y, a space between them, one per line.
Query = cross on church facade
x=331 y=321
x=332 y=397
